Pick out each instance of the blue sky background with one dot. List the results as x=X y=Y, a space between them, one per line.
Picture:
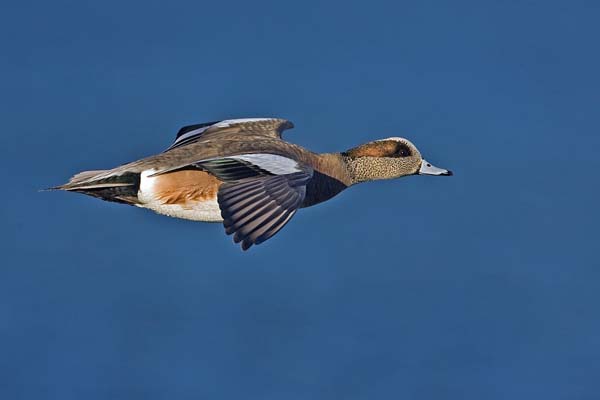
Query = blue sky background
x=480 y=286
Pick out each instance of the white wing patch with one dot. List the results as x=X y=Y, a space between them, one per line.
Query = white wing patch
x=275 y=164
x=229 y=122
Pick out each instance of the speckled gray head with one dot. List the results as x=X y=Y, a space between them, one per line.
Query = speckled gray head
x=389 y=158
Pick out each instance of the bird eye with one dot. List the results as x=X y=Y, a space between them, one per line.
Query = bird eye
x=402 y=151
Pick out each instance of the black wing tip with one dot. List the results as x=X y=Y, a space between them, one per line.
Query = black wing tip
x=238 y=237
x=246 y=245
x=185 y=129
x=244 y=241
x=286 y=124
x=51 y=189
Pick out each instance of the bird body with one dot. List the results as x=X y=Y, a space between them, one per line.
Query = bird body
x=242 y=173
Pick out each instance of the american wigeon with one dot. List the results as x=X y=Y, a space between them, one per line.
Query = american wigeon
x=241 y=172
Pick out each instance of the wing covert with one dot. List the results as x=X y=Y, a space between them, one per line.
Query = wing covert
x=268 y=127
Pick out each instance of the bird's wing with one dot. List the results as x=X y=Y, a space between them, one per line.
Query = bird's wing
x=264 y=127
x=260 y=194
x=213 y=140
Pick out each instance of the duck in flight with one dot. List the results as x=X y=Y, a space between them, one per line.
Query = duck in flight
x=242 y=173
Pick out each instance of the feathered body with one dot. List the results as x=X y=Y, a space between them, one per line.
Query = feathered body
x=241 y=172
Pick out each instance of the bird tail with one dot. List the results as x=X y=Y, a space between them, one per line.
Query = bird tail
x=104 y=184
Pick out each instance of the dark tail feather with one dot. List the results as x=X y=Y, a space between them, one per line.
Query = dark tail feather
x=121 y=188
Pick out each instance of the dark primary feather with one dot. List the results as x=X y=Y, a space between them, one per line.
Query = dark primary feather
x=200 y=128
x=189 y=128
x=255 y=209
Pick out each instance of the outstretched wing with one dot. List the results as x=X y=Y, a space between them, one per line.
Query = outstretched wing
x=210 y=140
x=256 y=209
x=260 y=193
x=268 y=127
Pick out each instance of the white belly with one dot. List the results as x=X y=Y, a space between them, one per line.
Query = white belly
x=205 y=210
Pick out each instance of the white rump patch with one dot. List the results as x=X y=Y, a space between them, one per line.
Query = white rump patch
x=146 y=184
